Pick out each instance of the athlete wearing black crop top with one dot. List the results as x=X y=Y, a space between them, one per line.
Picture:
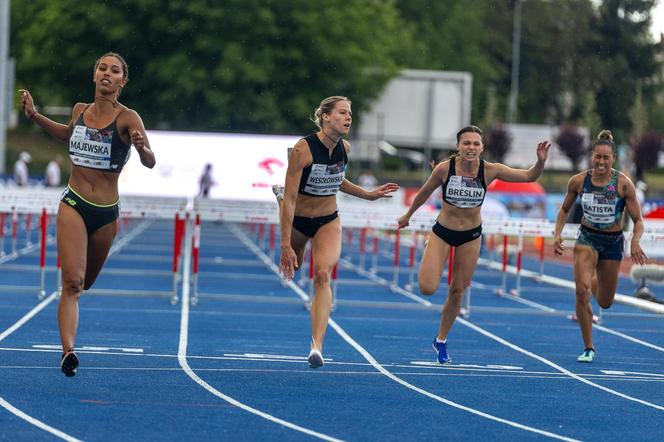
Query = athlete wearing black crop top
x=99 y=136
x=308 y=211
x=464 y=178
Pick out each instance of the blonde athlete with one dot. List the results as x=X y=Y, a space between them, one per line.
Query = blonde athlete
x=308 y=211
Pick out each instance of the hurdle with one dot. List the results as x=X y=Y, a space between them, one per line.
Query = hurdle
x=195 y=249
x=411 y=260
x=2 y=233
x=178 y=233
x=395 y=261
x=42 y=256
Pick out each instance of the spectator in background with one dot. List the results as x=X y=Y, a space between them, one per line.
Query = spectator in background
x=205 y=182
x=21 y=169
x=52 y=175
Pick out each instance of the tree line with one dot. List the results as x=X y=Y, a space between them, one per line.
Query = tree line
x=263 y=65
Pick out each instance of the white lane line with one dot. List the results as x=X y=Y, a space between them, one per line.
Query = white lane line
x=440 y=373
x=553 y=364
x=528 y=303
x=89 y=348
x=37 y=423
x=31 y=314
x=629 y=338
x=182 y=358
x=267 y=356
x=380 y=367
x=39 y=307
x=559 y=282
x=629 y=373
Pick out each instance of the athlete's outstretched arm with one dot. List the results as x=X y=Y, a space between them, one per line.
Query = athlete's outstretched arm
x=507 y=173
x=383 y=191
x=57 y=130
x=435 y=180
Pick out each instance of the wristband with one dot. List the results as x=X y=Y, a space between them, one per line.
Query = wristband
x=32 y=115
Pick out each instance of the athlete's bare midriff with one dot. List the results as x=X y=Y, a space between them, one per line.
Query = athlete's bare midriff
x=311 y=206
x=458 y=219
x=96 y=186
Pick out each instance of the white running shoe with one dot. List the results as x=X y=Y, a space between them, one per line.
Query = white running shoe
x=315 y=358
x=278 y=191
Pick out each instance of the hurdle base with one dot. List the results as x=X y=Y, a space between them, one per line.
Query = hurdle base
x=574 y=318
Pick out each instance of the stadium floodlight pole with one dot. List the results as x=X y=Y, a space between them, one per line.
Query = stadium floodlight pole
x=4 y=73
x=516 y=56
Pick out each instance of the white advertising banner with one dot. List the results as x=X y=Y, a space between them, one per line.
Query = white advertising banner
x=244 y=167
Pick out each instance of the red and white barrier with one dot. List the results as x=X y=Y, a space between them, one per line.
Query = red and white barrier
x=42 y=255
x=503 y=287
x=178 y=233
x=58 y=273
x=28 y=229
x=273 y=242
x=305 y=263
x=2 y=233
x=14 y=230
x=195 y=249
x=363 y=246
x=411 y=260
x=374 y=251
x=519 y=262
x=395 y=261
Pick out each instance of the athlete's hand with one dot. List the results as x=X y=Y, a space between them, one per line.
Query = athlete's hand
x=638 y=256
x=383 y=191
x=137 y=139
x=543 y=151
x=287 y=262
x=27 y=104
x=558 y=247
x=403 y=221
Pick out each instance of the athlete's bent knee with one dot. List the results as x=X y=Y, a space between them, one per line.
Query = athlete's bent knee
x=72 y=286
x=605 y=304
x=428 y=288
x=321 y=277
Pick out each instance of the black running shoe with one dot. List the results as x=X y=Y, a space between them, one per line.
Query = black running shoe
x=69 y=363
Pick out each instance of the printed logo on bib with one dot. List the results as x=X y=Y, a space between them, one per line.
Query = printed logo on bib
x=325 y=179
x=90 y=147
x=464 y=191
x=598 y=208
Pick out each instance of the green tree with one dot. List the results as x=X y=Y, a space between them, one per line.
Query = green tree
x=451 y=36
x=237 y=65
x=638 y=115
x=628 y=58
x=589 y=116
